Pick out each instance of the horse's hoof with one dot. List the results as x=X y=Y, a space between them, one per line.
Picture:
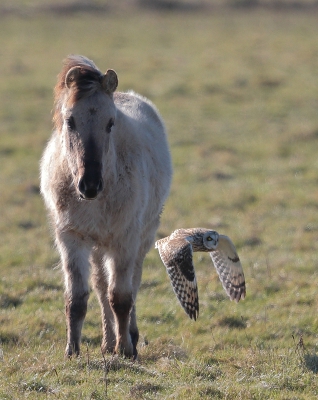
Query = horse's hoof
x=125 y=351
x=71 y=351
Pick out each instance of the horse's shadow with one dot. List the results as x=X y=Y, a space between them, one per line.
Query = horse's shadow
x=311 y=362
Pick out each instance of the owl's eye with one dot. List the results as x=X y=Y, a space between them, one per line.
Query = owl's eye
x=109 y=125
x=209 y=239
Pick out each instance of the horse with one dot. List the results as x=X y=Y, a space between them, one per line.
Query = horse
x=105 y=175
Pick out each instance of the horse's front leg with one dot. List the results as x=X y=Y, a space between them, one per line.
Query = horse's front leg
x=74 y=256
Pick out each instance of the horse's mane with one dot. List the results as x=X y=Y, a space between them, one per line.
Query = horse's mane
x=86 y=84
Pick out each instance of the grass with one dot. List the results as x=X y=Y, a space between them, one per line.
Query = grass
x=237 y=90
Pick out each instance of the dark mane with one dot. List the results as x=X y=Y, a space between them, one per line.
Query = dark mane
x=86 y=84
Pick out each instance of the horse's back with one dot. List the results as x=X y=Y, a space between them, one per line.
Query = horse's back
x=145 y=132
x=138 y=108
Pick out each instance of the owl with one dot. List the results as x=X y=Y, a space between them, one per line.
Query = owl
x=176 y=254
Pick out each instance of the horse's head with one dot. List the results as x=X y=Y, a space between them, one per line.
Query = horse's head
x=88 y=114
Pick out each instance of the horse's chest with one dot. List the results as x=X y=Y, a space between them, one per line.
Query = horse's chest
x=97 y=223
x=89 y=218
x=111 y=215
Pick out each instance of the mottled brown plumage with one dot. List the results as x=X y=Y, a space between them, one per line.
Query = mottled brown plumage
x=176 y=254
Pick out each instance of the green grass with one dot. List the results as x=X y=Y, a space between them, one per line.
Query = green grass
x=238 y=92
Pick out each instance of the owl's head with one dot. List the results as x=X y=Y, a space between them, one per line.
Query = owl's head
x=211 y=240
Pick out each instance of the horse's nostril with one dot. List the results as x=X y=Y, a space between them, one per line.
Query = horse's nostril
x=100 y=185
x=81 y=186
x=89 y=190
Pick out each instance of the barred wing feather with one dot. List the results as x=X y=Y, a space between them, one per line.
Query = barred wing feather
x=229 y=268
x=176 y=254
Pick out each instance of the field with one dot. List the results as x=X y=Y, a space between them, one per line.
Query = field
x=238 y=90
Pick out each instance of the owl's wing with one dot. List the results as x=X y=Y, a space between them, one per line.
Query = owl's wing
x=229 y=268
x=176 y=254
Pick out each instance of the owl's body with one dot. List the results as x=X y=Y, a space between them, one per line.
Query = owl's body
x=176 y=254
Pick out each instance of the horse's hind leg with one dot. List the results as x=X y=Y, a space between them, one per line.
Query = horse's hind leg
x=133 y=328
x=75 y=256
x=100 y=283
x=120 y=295
x=133 y=331
x=144 y=248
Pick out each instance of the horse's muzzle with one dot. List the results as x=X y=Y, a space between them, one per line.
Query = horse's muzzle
x=89 y=189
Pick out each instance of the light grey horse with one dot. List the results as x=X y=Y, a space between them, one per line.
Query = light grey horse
x=105 y=175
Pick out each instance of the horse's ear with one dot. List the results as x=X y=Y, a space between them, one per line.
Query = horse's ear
x=72 y=76
x=110 y=81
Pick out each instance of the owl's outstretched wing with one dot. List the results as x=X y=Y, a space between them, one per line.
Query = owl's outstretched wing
x=229 y=268
x=176 y=254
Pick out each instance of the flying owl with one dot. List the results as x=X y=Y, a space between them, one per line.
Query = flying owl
x=176 y=254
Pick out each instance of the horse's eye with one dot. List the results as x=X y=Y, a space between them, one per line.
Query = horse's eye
x=71 y=123
x=109 y=125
